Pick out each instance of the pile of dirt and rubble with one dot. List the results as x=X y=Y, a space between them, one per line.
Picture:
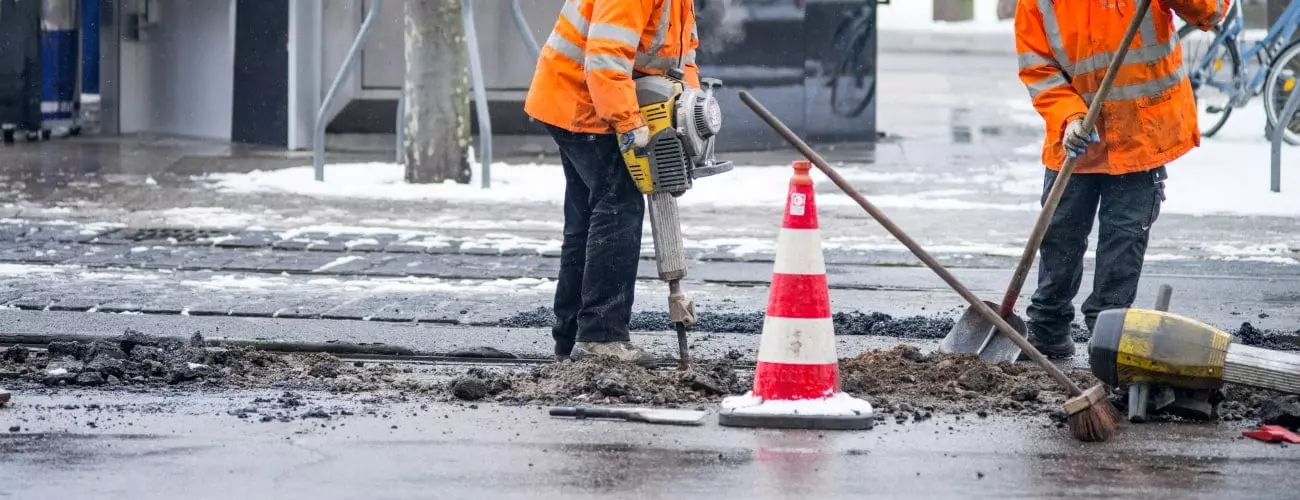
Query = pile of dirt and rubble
x=909 y=384
x=1247 y=334
x=1261 y=406
x=603 y=380
x=846 y=323
x=138 y=359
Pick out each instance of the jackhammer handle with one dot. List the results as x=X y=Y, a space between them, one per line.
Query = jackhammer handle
x=1063 y=178
x=979 y=305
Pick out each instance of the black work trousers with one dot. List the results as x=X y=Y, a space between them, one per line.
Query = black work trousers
x=603 y=212
x=1126 y=206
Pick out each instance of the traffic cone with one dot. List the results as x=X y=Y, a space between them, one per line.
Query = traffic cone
x=797 y=380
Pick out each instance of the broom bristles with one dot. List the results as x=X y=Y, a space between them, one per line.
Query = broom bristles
x=1096 y=422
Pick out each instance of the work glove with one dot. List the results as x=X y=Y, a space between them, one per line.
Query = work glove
x=637 y=138
x=1076 y=140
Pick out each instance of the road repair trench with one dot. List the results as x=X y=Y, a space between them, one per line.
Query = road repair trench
x=904 y=384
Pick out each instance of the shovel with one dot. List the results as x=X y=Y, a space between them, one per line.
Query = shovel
x=973 y=332
x=646 y=415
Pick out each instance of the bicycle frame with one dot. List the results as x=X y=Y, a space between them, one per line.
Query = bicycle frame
x=1243 y=89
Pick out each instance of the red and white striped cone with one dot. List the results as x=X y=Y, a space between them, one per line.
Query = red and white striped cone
x=797 y=381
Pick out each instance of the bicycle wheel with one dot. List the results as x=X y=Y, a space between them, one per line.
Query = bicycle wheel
x=1283 y=80
x=1213 y=104
x=853 y=84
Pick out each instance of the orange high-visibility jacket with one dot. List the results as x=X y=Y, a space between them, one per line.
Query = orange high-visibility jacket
x=1149 y=117
x=583 y=81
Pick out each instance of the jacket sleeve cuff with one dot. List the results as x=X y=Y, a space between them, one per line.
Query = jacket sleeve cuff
x=631 y=123
x=1072 y=117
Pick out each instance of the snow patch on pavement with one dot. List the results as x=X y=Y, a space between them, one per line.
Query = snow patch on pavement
x=210 y=217
x=1227 y=175
x=840 y=404
x=361 y=286
x=13 y=270
x=339 y=262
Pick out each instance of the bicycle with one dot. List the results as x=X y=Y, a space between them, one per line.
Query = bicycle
x=852 y=79
x=1274 y=79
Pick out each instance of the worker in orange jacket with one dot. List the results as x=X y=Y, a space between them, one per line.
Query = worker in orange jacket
x=1147 y=121
x=582 y=90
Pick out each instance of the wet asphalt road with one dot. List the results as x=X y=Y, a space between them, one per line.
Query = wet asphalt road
x=152 y=446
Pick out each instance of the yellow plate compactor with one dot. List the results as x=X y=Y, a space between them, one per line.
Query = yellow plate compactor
x=684 y=123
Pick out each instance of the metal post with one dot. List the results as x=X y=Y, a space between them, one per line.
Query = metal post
x=525 y=32
x=480 y=92
x=318 y=132
x=1279 y=131
x=401 y=132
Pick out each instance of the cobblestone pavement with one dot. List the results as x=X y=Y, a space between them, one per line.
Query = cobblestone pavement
x=428 y=277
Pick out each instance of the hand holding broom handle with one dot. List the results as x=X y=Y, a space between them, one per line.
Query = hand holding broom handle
x=907 y=241
x=1063 y=178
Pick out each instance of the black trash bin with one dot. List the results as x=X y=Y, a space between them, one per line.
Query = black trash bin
x=20 y=68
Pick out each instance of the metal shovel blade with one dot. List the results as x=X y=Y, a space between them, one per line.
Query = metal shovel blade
x=972 y=331
x=647 y=415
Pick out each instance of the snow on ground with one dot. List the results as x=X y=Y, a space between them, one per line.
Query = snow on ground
x=345 y=287
x=287 y=283
x=1227 y=175
x=839 y=404
x=539 y=183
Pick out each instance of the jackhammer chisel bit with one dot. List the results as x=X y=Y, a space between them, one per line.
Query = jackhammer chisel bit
x=665 y=227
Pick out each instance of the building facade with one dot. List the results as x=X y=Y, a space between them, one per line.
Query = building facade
x=256 y=71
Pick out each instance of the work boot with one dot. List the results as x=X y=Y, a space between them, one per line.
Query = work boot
x=623 y=351
x=1053 y=347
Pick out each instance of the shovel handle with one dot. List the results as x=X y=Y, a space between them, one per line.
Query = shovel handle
x=920 y=253
x=1067 y=169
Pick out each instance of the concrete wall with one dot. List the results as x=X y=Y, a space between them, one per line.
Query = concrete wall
x=178 y=81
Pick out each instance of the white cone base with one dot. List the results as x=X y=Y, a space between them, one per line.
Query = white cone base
x=839 y=412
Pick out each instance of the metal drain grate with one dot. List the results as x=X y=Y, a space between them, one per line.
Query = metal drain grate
x=169 y=233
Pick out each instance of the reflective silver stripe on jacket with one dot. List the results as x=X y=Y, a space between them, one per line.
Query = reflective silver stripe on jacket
x=607 y=62
x=574 y=16
x=1028 y=60
x=565 y=48
x=1051 y=82
x=1053 y=31
x=1144 y=89
x=616 y=33
x=661 y=32
x=655 y=61
x=1147 y=29
x=1135 y=56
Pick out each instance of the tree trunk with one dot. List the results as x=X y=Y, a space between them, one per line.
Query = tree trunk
x=437 y=93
